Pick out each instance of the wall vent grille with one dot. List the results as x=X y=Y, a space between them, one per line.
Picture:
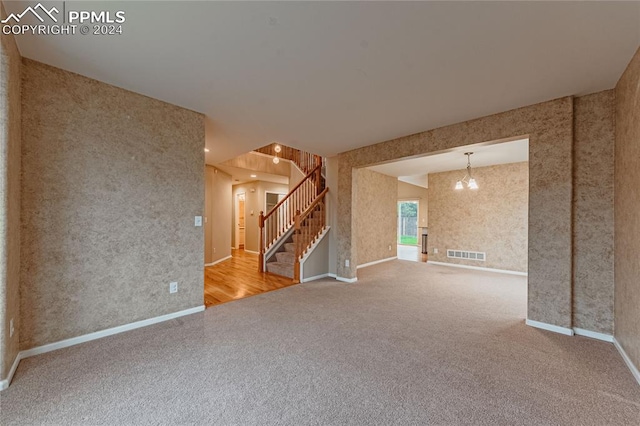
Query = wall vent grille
x=466 y=255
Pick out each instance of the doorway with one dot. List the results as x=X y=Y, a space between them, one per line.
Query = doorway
x=272 y=199
x=408 y=222
x=240 y=221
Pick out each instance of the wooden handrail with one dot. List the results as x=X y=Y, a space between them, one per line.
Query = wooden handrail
x=315 y=202
x=304 y=160
x=308 y=176
x=281 y=217
x=307 y=235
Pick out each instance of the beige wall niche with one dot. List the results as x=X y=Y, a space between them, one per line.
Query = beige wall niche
x=111 y=183
x=491 y=219
x=218 y=211
x=375 y=215
x=10 y=140
x=627 y=206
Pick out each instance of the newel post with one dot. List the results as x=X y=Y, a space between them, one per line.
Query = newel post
x=261 y=255
x=318 y=177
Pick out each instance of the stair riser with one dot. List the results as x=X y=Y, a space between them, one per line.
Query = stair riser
x=286 y=257
x=284 y=270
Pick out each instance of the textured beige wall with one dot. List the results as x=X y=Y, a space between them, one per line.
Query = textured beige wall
x=492 y=219
x=627 y=207
x=218 y=211
x=331 y=172
x=111 y=183
x=375 y=215
x=549 y=126
x=10 y=139
x=593 y=229
x=407 y=191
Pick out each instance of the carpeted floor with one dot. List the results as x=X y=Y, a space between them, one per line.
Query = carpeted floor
x=409 y=343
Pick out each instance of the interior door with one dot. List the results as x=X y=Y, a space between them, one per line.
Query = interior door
x=241 y=221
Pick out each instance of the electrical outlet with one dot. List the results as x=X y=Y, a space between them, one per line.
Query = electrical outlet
x=435 y=251
x=173 y=287
x=389 y=247
x=346 y=263
x=214 y=249
x=11 y=329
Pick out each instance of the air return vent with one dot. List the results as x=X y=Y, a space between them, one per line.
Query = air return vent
x=466 y=255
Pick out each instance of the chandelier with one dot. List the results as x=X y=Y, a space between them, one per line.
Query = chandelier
x=470 y=181
x=277 y=149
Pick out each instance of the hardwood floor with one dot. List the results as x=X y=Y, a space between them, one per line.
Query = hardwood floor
x=413 y=253
x=237 y=278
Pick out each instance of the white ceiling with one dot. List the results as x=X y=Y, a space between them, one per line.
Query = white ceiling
x=240 y=175
x=415 y=170
x=332 y=76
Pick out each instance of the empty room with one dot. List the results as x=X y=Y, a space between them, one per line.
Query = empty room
x=334 y=213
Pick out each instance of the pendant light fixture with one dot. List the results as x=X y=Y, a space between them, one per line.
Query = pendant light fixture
x=468 y=179
x=277 y=149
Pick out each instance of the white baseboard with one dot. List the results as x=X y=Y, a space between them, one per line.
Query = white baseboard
x=549 y=327
x=375 y=262
x=593 y=334
x=479 y=268
x=344 y=280
x=316 y=277
x=4 y=384
x=93 y=336
x=627 y=360
x=218 y=261
x=251 y=251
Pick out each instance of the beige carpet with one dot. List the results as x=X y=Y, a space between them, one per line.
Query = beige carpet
x=408 y=344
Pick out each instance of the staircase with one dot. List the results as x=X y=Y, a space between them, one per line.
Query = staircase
x=288 y=231
x=284 y=260
x=287 y=257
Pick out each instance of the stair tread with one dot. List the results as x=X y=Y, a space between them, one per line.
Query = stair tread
x=286 y=257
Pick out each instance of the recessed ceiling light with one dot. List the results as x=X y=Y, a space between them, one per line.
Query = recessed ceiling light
x=206 y=150
x=254 y=175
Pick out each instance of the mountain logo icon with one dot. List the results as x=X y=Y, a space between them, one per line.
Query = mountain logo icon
x=33 y=10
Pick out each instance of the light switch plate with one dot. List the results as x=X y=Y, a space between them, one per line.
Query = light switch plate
x=198 y=221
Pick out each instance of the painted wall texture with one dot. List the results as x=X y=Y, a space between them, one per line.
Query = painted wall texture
x=111 y=182
x=10 y=140
x=627 y=206
x=593 y=226
x=492 y=219
x=218 y=213
x=549 y=126
x=331 y=172
x=375 y=215
x=407 y=191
